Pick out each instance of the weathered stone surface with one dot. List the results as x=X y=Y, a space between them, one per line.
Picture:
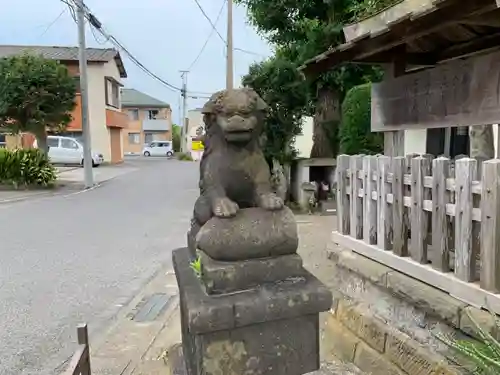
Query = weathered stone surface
x=225 y=277
x=252 y=233
x=373 y=362
x=367 y=327
x=272 y=330
x=233 y=172
x=485 y=320
x=338 y=340
x=425 y=297
x=409 y=355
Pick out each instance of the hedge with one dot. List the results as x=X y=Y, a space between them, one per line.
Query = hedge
x=355 y=134
x=26 y=167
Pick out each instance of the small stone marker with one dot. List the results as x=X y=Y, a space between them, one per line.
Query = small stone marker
x=247 y=304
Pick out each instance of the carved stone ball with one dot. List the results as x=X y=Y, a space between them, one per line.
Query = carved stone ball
x=253 y=233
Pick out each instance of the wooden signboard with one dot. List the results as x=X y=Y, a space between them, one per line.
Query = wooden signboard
x=458 y=93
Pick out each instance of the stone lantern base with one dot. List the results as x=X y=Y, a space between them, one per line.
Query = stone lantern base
x=245 y=327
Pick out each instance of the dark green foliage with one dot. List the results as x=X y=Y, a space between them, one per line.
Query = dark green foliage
x=355 y=134
x=301 y=30
x=36 y=95
x=26 y=168
x=361 y=9
x=281 y=86
x=176 y=138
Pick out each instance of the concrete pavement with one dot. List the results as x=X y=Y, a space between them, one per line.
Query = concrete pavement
x=83 y=257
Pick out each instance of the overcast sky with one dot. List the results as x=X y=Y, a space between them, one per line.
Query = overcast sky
x=165 y=35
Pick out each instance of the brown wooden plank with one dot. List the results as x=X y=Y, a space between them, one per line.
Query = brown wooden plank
x=460 y=92
x=441 y=235
x=343 y=205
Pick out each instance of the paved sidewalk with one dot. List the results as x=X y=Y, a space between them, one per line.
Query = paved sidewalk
x=101 y=174
x=142 y=348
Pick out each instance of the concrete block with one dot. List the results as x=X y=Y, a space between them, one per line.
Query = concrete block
x=373 y=362
x=408 y=355
x=485 y=320
x=425 y=297
x=273 y=329
x=367 y=327
x=338 y=340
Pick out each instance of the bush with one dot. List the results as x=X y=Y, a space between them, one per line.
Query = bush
x=26 y=168
x=185 y=156
x=355 y=132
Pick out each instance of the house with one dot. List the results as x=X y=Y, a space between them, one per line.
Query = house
x=149 y=119
x=194 y=132
x=105 y=71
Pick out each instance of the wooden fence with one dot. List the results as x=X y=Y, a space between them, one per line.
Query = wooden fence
x=80 y=362
x=433 y=219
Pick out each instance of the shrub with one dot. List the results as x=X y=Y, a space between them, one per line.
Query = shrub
x=355 y=133
x=185 y=156
x=26 y=168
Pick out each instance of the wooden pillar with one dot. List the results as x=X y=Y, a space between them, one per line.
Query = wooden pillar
x=394 y=141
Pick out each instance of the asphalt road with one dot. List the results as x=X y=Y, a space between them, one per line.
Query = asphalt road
x=71 y=259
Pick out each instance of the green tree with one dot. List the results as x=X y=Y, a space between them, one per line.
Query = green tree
x=355 y=133
x=281 y=86
x=36 y=95
x=302 y=29
x=176 y=138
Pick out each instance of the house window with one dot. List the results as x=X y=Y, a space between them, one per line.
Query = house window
x=134 y=138
x=133 y=114
x=112 y=93
x=148 y=137
x=76 y=79
x=153 y=114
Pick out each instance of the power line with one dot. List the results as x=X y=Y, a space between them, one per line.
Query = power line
x=52 y=23
x=214 y=28
x=94 y=22
x=209 y=36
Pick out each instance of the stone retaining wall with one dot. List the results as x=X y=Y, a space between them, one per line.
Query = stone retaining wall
x=386 y=322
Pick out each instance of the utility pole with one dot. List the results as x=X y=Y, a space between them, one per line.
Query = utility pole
x=229 y=56
x=84 y=92
x=184 y=110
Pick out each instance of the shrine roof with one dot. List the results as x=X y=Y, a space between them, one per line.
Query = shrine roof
x=423 y=33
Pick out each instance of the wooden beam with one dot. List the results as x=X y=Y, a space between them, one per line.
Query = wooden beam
x=473 y=46
x=406 y=29
x=488 y=19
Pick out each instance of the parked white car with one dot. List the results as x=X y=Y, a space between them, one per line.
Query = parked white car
x=67 y=150
x=158 y=148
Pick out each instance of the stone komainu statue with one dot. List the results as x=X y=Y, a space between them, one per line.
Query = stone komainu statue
x=233 y=171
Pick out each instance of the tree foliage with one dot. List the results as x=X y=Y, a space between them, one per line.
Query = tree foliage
x=281 y=86
x=302 y=29
x=355 y=134
x=176 y=138
x=36 y=95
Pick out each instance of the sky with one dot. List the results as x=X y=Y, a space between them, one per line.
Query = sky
x=164 y=35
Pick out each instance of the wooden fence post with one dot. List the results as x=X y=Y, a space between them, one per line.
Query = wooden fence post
x=356 y=217
x=369 y=205
x=420 y=167
x=440 y=222
x=384 y=227
x=490 y=226
x=343 y=206
x=465 y=257
x=83 y=339
x=400 y=229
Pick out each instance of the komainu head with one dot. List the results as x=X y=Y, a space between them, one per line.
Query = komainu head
x=237 y=115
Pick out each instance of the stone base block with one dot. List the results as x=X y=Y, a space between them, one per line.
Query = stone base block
x=226 y=277
x=270 y=330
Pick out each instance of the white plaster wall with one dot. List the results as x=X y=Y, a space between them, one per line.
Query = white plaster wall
x=495 y=140
x=99 y=132
x=304 y=142
x=416 y=141
x=195 y=120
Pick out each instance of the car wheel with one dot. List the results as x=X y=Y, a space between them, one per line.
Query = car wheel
x=147 y=153
x=93 y=164
x=170 y=153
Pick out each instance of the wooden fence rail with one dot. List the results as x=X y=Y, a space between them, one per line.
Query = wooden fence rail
x=80 y=362
x=434 y=219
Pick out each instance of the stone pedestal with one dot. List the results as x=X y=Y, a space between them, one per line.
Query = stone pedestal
x=255 y=317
